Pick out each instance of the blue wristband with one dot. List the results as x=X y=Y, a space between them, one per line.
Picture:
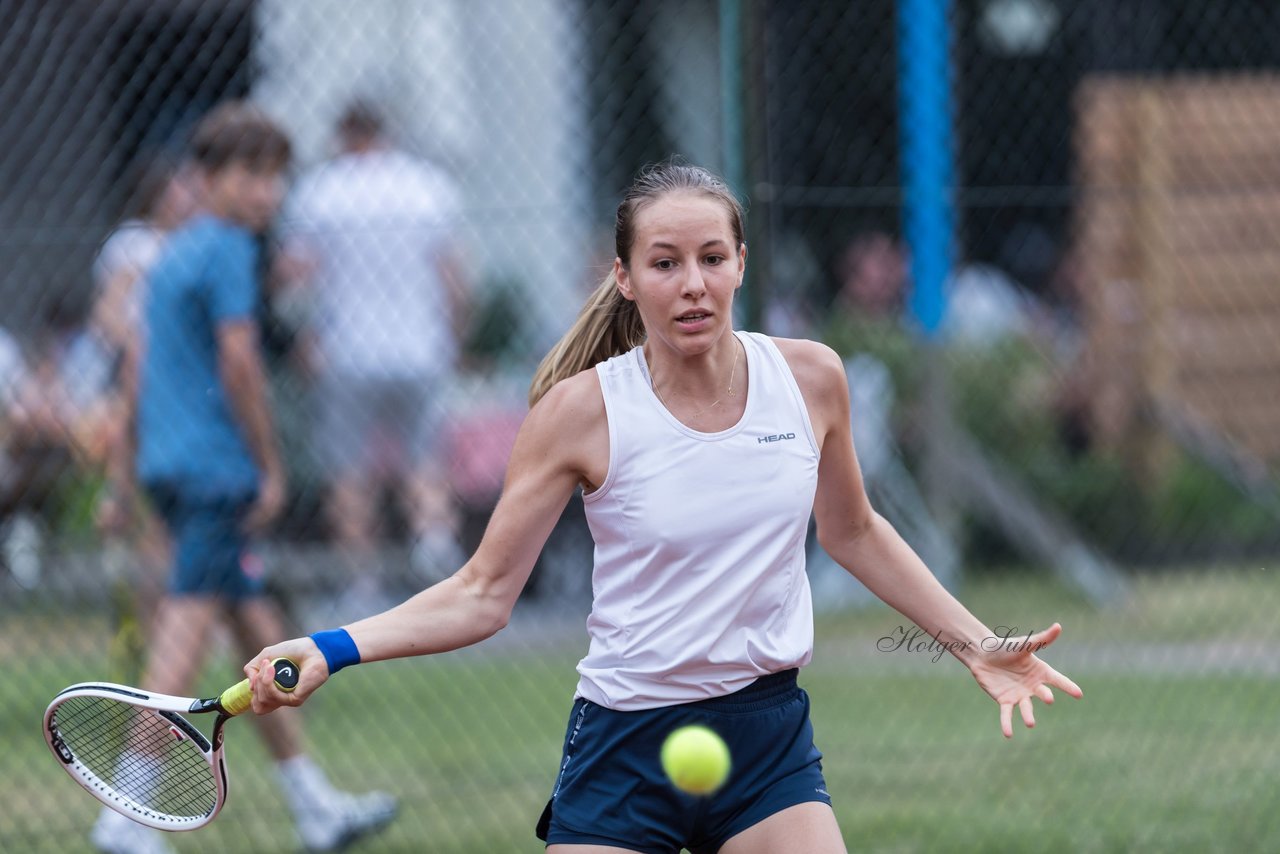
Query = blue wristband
x=338 y=649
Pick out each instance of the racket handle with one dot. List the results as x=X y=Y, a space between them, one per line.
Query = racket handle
x=239 y=697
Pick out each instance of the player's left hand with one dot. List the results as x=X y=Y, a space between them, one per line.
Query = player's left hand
x=1009 y=671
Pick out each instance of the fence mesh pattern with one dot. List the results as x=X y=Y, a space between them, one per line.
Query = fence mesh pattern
x=1088 y=435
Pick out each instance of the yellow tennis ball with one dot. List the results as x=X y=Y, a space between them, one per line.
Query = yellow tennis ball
x=696 y=759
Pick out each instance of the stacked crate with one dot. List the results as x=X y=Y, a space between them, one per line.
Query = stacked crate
x=1178 y=243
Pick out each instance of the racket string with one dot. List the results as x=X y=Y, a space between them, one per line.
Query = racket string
x=138 y=754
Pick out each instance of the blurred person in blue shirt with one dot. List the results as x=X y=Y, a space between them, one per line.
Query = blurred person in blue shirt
x=203 y=446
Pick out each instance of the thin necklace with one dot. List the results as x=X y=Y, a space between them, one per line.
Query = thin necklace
x=733 y=372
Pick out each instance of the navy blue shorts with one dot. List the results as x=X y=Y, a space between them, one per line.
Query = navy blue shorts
x=211 y=554
x=612 y=790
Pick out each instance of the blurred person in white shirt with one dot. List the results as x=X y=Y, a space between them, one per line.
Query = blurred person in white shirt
x=95 y=365
x=371 y=233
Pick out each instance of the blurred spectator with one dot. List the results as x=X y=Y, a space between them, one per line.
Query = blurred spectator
x=92 y=356
x=43 y=425
x=1060 y=323
x=41 y=412
x=206 y=454
x=12 y=369
x=991 y=315
x=868 y=314
x=35 y=453
x=788 y=312
x=371 y=232
x=985 y=306
x=988 y=304
x=872 y=276
x=162 y=197
x=14 y=427
x=993 y=327
x=19 y=535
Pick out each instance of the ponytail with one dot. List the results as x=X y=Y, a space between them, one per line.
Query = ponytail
x=608 y=325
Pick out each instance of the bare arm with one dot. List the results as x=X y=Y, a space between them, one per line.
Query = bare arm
x=477 y=601
x=121 y=455
x=111 y=310
x=114 y=512
x=850 y=530
x=449 y=268
x=243 y=377
x=548 y=462
x=861 y=541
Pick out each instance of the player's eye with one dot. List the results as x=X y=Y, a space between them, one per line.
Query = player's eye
x=714 y=260
x=665 y=264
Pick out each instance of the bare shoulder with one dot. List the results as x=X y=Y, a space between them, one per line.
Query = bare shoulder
x=818 y=369
x=569 y=425
x=575 y=400
x=819 y=372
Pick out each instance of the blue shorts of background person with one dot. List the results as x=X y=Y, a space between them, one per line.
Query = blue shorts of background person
x=211 y=552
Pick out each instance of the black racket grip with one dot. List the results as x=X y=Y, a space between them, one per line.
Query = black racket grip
x=238 y=698
x=287 y=674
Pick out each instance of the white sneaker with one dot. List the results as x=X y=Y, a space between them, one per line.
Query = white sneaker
x=114 y=834
x=340 y=819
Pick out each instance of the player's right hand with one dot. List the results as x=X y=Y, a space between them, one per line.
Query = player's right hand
x=313 y=671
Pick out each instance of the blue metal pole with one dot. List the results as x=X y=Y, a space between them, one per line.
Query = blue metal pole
x=924 y=97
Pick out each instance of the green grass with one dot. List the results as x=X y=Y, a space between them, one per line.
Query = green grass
x=1175 y=760
x=1173 y=606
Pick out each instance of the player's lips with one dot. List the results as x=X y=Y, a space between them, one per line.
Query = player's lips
x=692 y=321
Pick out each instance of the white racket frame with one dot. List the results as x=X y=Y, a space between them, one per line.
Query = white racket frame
x=175 y=709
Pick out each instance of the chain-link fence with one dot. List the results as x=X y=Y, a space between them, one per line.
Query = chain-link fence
x=1086 y=434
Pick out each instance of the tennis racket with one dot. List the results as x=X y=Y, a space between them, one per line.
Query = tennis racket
x=134 y=751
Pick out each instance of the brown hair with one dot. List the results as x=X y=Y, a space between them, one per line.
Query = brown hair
x=609 y=324
x=148 y=178
x=360 y=120
x=239 y=132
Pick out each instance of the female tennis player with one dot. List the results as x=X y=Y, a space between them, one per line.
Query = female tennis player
x=701 y=452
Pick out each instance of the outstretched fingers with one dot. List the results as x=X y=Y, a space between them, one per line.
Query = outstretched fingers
x=1019 y=676
x=1057 y=680
x=1006 y=716
x=1028 y=713
x=1037 y=641
x=1041 y=691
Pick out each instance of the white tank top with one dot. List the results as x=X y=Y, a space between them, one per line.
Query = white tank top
x=699 y=580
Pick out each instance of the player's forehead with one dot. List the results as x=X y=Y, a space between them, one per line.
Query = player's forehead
x=683 y=218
